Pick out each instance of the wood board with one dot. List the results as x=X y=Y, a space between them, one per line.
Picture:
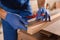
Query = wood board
x=36 y=26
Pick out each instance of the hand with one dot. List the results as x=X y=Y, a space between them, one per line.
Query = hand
x=3 y=13
x=15 y=21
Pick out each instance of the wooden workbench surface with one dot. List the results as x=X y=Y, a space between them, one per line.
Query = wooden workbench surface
x=54 y=27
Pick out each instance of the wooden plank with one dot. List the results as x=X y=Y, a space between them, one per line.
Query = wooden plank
x=54 y=27
x=22 y=35
x=36 y=26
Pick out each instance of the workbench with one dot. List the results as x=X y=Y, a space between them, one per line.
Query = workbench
x=35 y=26
x=54 y=27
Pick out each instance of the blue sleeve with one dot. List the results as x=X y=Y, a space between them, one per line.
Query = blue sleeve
x=15 y=21
x=27 y=11
x=0 y=3
x=29 y=7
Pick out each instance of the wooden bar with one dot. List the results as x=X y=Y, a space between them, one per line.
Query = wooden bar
x=54 y=27
x=25 y=36
x=34 y=28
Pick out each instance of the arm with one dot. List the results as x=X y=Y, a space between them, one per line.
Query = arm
x=3 y=13
x=28 y=8
x=12 y=19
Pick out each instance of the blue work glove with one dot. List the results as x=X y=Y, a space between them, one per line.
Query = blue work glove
x=15 y=21
x=39 y=14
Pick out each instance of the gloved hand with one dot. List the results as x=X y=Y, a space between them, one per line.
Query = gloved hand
x=15 y=21
x=42 y=14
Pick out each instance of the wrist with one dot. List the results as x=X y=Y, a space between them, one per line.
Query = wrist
x=3 y=13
